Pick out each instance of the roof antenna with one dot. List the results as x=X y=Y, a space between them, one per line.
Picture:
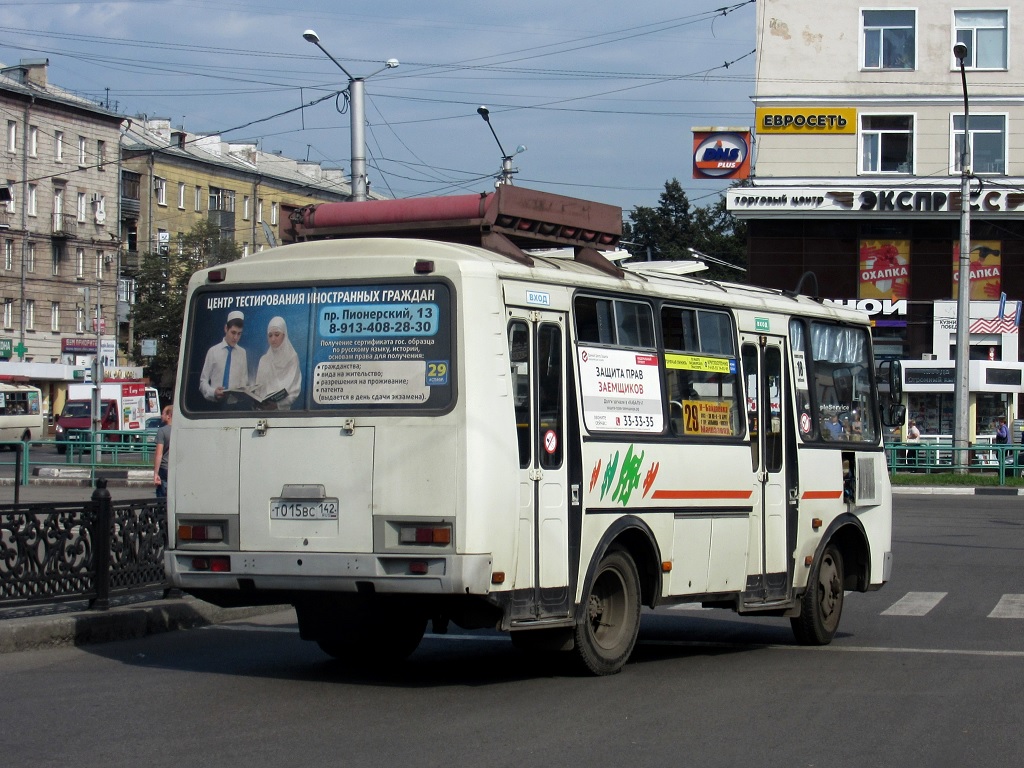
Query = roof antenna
x=505 y=177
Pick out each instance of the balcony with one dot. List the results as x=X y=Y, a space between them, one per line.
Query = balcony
x=64 y=225
x=131 y=261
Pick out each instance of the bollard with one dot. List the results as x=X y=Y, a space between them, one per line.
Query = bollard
x=17 y=472
x=102 y=519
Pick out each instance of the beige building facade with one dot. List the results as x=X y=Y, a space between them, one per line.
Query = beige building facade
x=58 y=230
x=858 y=132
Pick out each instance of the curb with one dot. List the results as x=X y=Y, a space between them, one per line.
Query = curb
x=955 y=490
x=119 y=623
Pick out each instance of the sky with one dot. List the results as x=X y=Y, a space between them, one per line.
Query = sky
x=603 y=94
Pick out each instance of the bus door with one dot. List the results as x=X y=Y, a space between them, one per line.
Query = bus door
x=764 y=370
x=537 y=349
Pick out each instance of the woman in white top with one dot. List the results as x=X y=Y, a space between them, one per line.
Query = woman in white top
x=279 y=366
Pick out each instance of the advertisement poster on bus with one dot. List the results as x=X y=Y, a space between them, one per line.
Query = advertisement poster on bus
x=320 y=348
x=621 y=390
x=884 y=269
x=986 y=269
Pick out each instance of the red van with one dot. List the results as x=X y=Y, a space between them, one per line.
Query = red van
x=77 y=415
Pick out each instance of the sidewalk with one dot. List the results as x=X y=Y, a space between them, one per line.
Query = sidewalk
x=51 y=625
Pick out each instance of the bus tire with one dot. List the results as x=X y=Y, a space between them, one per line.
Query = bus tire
x=605 y=636
x=382 y=638
x=822 y=603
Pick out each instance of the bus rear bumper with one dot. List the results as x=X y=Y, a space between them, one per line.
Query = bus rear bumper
x=330 y=572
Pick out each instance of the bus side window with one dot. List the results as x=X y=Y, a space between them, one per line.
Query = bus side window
x=519 y=357
x=750 y=373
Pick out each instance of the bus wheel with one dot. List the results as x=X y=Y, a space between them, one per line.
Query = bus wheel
x=607 y=632
x=382 y=638
x=822 y=603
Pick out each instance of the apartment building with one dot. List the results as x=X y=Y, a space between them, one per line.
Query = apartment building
x=859 y=129
x=58 y=229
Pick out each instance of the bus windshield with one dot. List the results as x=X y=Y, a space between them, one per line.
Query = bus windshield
x=320 y=348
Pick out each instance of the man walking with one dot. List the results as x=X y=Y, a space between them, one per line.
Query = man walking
x=163 y=450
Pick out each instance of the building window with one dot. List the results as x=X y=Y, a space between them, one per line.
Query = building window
x=55 y=316
x=8 y=313
x=99 y=263
x=9 y=205
x=889 y=39
x=160 y=190
x=273 y=213
x=984 y=34
x=80 y=262
x=33 y=140
x=30 y=204
x=988 y=143
x=259 y=211
x=82 y=159
x=80 y=320
x=58 y=146
x=126 y=290
x=222 y=199
x=30 y=315
x=8 y=255
x=199 y=199
x=56 y=255
x=83 y=206
x=30 y=258
x=245 y=207
x=12 y=136
x=101 y=154
x=181 y=195
x=245 y=250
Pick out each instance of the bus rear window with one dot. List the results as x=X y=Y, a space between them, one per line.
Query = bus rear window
x=319 y=348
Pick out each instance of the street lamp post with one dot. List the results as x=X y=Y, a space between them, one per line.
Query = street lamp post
x=356 y=92
x=961 y=384
x=505 y=176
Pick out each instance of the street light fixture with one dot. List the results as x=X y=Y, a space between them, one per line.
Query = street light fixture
x=505 y=177
x=961 y=384
x=357 y=93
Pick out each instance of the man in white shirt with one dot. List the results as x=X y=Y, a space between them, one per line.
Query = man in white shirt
x=226 y=366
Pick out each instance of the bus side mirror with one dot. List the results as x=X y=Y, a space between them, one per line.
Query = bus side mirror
x=891 y=373
x=896 y=382
x=894 y=414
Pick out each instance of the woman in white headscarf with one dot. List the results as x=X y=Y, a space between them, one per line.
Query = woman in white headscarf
x=279 y=367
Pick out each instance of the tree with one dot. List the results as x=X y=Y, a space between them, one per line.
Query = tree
x=160 y=292
x=674 y=226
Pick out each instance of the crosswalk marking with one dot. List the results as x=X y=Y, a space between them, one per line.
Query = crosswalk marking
x=1009 y=607
x=914 y=604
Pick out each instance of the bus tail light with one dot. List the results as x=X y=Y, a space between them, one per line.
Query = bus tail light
x=213 y=564
x=208 y=533
x=425 y=534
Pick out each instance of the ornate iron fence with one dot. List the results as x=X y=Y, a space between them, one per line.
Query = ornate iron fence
x=63 y=551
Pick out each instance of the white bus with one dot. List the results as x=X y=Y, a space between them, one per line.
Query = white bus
x=500 y=439
x=21 y=410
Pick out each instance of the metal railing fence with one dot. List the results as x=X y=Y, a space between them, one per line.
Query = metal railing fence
x=92 y=550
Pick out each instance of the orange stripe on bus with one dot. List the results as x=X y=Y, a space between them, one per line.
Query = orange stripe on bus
x=822 y=494
x=702 y=494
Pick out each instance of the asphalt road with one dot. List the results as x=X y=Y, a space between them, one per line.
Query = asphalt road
x=926 y=672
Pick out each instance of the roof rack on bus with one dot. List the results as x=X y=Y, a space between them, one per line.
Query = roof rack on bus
x=505 y=221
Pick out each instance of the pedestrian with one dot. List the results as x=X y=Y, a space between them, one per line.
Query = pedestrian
x=163 y=451
x=1002 y=433
x=913 y=433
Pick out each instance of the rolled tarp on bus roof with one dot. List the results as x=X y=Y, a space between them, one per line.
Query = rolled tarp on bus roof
x=382 y=212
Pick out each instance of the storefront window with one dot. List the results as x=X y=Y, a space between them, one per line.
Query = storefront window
x=990 y=408
x=933 y=413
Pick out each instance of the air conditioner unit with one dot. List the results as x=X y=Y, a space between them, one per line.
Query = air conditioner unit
x=96 y=199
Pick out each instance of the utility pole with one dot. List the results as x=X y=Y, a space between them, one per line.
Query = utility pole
x=961 y=384
x=357 y=94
